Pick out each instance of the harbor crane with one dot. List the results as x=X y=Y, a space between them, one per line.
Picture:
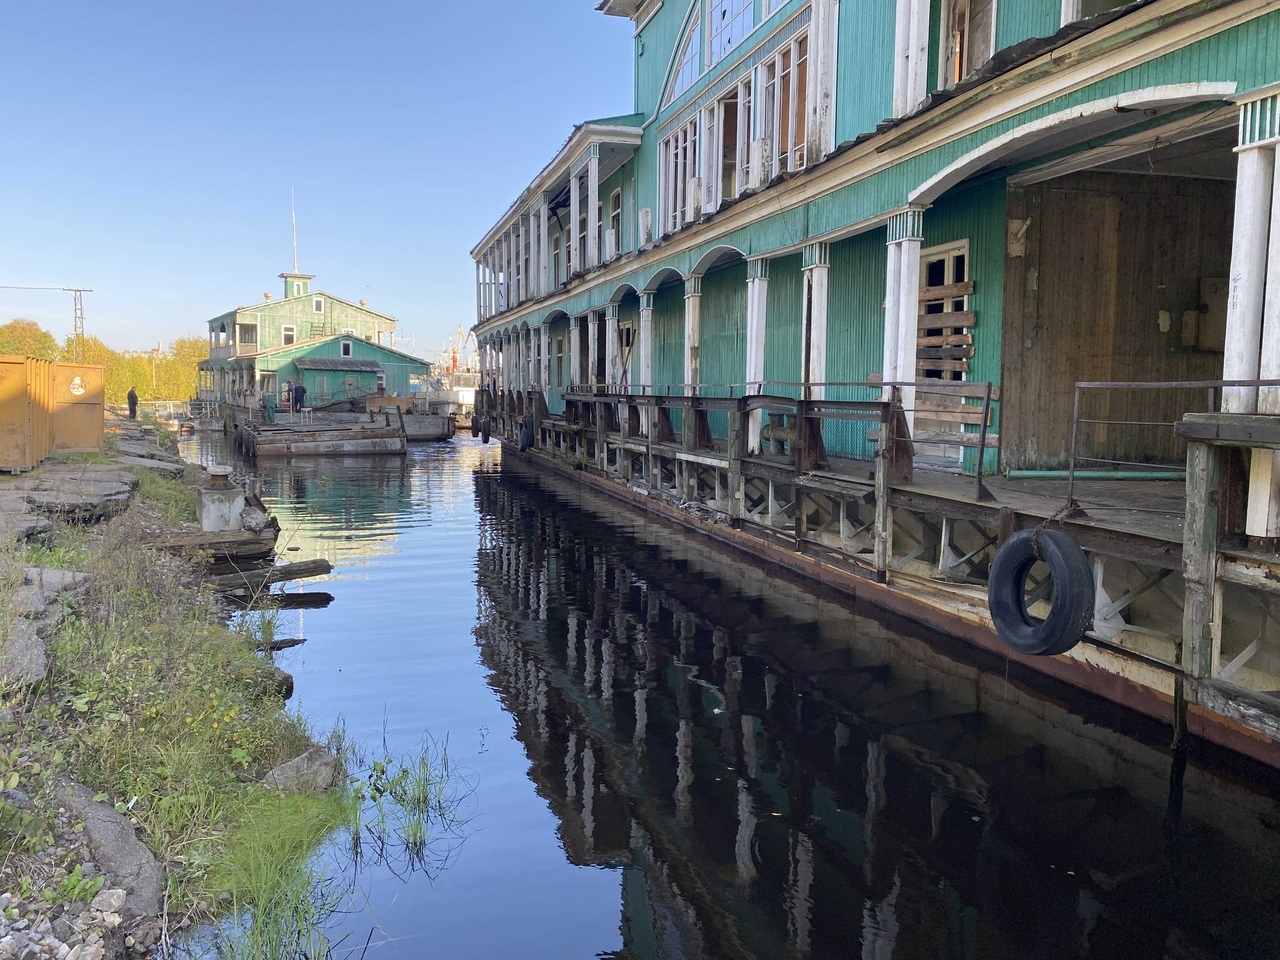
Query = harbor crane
x=78 y=315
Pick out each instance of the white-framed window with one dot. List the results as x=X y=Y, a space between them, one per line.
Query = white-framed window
x=317 y=304
x=728 y=21
x=346 y=348
x=772 y=6
x=556 y=279
x=580 y=257
x=728 y=135
x=678 y=160
x=967 y=39
x=688 y=67
x=786 y=84
x=559 y=361
x=288 y=335
x=247 y=333
x=382 y=382
x=298 y=288
x=615 y=219
x=600 y=228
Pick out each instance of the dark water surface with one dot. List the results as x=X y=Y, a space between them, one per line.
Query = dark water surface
x=677 y=755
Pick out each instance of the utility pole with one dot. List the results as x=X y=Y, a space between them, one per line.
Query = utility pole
x=77 y=321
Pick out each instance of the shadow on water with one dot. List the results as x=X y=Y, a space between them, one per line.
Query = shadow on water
x=678 y=755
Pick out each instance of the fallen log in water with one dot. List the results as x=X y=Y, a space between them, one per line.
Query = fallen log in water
x=315 y=600
x=257 y=579
x=235 y=545
x=274 y=646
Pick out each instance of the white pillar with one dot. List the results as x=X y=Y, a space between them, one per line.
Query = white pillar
x=593 y=347
x=593 y=207
x=918 y=51
x=575 y=212
x=757 y=307
x=892 y=310
x=575 y=351
x=646 y=355
x=1255 y=174
x=817 y=268
x=906 y=232
x=901 y=57
x=479 y=295
x=613 y=374
x=545 y=283
x=545 y=378
x=692 y=330
x=531 y=367
x=821 y=95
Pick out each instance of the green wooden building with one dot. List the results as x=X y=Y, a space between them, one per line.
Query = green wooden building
x=808 y=193
x=258 y=348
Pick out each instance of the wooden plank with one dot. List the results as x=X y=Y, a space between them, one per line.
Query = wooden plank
x=947 y=366
x=946 y=410
x=948 y=291
x=949 y=340
x=1201 y=624
x=944 y=353
x=256 y=579
x=1234 y=429
x=964 y=319
x=947 y=388
x=943 y=438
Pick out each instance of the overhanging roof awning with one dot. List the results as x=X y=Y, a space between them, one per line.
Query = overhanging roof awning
x=354 y=366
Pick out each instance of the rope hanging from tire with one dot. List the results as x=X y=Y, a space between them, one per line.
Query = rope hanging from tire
x=1071 y=612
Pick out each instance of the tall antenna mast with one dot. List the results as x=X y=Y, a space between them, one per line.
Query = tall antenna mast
x=77 y=317
x=293 y=214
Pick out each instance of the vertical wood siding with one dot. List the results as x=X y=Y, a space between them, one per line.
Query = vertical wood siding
x=1018 y=20
x=722 y=350
x=784 y=313
x=864 y=71
x=855 y=333
x=668 y=338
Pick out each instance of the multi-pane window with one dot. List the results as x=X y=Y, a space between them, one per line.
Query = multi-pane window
x=555 y=261
x=559 y=361
x=288 y=335
x=687 y=69
x=728 y=22
x=728 y=135
x=615 y=219
x=679 y=167
x=248 y=333
x=786 y=80
x=944 y=271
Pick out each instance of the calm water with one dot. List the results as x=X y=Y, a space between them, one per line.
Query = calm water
x=675 y=755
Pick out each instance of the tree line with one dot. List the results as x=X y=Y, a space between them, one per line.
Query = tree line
x=170 y=375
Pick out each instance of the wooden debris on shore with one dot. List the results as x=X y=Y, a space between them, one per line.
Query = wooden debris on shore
x=275 y=646
x=236 y=545
x=255 y=580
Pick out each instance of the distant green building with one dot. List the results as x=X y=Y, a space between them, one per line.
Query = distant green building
x=338 y=349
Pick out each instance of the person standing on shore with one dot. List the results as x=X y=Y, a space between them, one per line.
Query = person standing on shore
x=299 y=396
x=132 y=397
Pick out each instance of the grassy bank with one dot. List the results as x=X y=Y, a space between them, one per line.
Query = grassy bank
x=154 y=702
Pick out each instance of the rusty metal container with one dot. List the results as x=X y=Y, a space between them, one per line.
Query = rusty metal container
x=46 y=407
x=78 y=391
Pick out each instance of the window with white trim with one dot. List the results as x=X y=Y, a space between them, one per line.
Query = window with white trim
x=556 y=279
x=968 y=39
x=678 y=171
x=288 y=335
x=786 y=83
x=615 y=219
x=688 y=68
x=248 y=333
x=317 y=304
x=728 y=136
x=728 y=21
x=346 y=348
x=772 y=6
x=945 y=269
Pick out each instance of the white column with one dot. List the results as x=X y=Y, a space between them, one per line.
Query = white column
x=757 y=307
x=593 y=207
x=906 y=231
x=531 y=367
x=901 y=57
x=613 y=374
x=479 y=295
x=918 y=52
x=545 y=377
x=817 y=269
x=1263 y=517
x=1255 y=174
x=646 y=355
x=821 y=97
x=593 y=346
x=575 y=352
x=575 y=211
x=692 y=329
x=545 y=283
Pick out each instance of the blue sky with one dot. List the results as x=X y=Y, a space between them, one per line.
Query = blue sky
x=150 y=149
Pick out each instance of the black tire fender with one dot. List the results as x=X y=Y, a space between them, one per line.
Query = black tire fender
x=484 y=430
x=1073 y=593
x=475 y=426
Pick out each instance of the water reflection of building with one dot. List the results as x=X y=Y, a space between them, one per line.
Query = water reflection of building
x=785 y=777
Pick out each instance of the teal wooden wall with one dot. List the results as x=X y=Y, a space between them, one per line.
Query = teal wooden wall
x=722 y=347
x=855 y=332
x=668 y=337
x=864 y=68
x=782 y=330
x=1023 y=19
x=396 y=368
x=560 y=375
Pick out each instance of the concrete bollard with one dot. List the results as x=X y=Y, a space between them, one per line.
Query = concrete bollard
x=220 y=502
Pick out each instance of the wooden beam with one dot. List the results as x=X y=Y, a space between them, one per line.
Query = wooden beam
x=964 y=319
x=948 y=291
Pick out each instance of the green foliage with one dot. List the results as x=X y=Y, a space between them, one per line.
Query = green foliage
x=173 y=498
x=72 y=888
x=26 y=338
